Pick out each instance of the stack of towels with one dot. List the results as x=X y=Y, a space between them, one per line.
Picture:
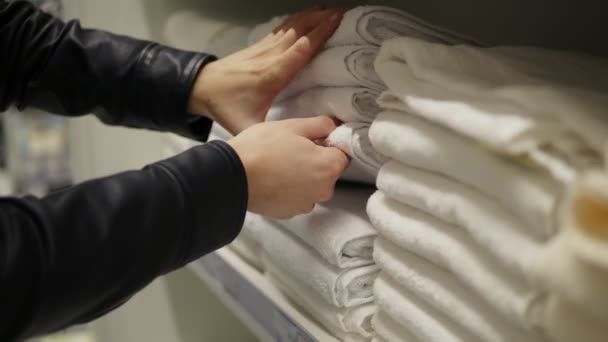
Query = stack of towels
x=482 y=143
x=489 y=225
x=341 y=81
x=322 y=261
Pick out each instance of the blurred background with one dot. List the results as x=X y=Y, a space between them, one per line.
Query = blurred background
x=40 y=152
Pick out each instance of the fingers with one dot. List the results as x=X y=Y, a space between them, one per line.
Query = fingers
x=292 y=19
x=303 y=25
x=315 y=128
x=334 y=163
x=307 y=45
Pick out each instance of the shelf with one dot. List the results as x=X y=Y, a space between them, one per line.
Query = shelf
x=256 y=301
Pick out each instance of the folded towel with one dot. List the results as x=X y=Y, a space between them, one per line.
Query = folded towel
x=390 y=331
x=584 y=217
x=416 y=316
x=339 y=287
x=219 y=133
x=440 y=289
x=574 y=265
x=248 y=250
x=564 y=322
x=349 y=324
x=561 y=271
x=248 y=243
x=416 y=142
x=451 y=248
x=565 y=160
x=347 y=104
x=343 y=66
x=339 y=230
x=373 y=25
x=511 y=98
x=487 y=224
x=353 y=139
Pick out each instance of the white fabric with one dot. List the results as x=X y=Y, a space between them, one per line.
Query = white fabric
x=349 y=324
x=560 y=271
x=339 y=230
x=347 y=104
x=511 y=98
x=449 y=247
x=338 y=287
x=564 y=322
x=444 y=292
x=248 y=242
x=584 y=217
x=373 y=25
x=416 y=142
x=353 y=139
x=574 y=265
x=390 y=331
x=248 y=250
x=485 y=222
x=219 y=133
x=424 y=322
x=342 y=66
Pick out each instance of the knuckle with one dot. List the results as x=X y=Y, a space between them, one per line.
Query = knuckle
x=327 y=122
x=326 y=194
x=308 y=208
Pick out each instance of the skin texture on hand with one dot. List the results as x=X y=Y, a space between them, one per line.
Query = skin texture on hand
x=287 y=172
x=237 y=91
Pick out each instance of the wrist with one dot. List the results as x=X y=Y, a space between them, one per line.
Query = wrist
x=199 y=102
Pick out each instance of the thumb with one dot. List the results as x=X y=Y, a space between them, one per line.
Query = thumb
x=315 y=128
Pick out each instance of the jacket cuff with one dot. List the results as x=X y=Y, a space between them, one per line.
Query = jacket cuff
x=217 y=192
x=165 y=79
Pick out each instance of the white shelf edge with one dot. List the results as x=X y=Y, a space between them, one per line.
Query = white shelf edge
x=255 y=301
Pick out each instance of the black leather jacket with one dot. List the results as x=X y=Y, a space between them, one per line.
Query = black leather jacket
x=78 y=253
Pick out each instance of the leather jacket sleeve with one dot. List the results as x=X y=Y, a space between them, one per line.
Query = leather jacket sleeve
x=67 y=70
x=80 y=252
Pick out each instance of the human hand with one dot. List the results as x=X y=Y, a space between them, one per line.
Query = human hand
x=287 y=173
x=237 y=91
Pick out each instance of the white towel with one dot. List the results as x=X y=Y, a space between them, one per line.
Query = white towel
x=511 y=98
x=584 y=217
x=564 y=322
x=339 y=230
x=338 y=287
x=574 y=265
x=562 y=272
x=444 y=292
x=349 y=324
x=424 y=322
x=347 y=104
x=248 y=250
x=451 y=248
x=373 y=25
x=416 y=142
x=353 y=139
x=342 y=66
x=390 y=331
x=248 y=243
x=487 y=224
x=219 y=133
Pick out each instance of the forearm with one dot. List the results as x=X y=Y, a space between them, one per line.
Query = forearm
x=77 y=253
x=65 y=69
